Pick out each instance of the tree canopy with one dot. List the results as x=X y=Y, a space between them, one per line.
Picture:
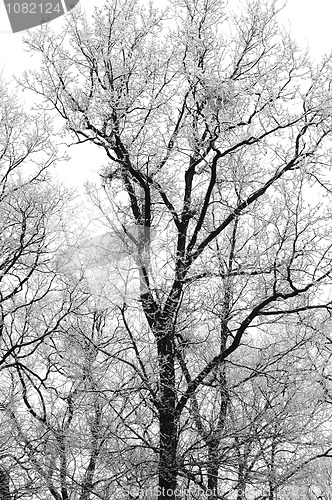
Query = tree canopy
x=204 y=369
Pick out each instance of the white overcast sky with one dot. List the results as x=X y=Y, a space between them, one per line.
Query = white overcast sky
x=309 y=22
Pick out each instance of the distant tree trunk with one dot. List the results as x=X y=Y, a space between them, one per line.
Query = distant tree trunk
x=213 y=442
x=241 y=482
x=272 y=488
x=4 y=485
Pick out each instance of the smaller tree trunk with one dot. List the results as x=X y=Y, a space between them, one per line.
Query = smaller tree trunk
x=241 y=486
x=272 y=488
x=4 y=485
x=212 y=469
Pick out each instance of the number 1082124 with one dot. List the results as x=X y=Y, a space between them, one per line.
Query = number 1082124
x=34 y=8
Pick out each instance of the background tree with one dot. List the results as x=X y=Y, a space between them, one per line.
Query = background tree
x=33 y=299
x=30 y=210
x=215 y=128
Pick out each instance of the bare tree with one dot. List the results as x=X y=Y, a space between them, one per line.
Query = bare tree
x=33 y=299
x=215 y=128
x=31 y=217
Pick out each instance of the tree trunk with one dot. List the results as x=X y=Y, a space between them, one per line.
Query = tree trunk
x=241 y=482
x=272 y=495
x=213 y=468
x=4 y=485
x=240 y=492
x=213 y=441
x=167 y=419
